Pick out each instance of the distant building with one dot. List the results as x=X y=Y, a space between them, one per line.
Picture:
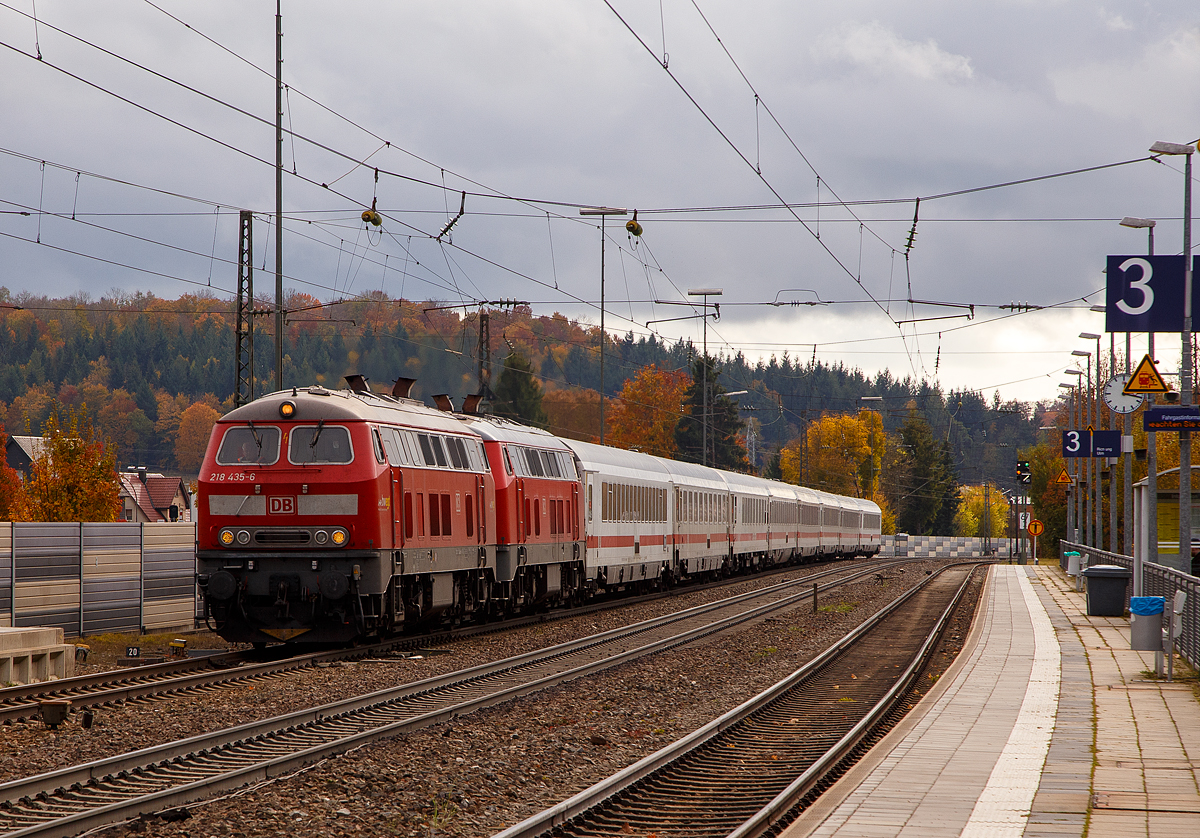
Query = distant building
x=21 y=451
x=151 y=498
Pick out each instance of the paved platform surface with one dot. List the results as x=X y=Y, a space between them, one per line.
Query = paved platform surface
x=1047 y=725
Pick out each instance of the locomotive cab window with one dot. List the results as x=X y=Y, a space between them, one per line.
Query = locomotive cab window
x=319 y=444
x=249 y=444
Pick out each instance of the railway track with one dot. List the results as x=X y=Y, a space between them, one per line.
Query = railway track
x=747 y=773
x=174 y=677
x=112 y=790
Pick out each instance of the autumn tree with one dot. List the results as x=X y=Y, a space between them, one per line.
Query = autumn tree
x=518 y=393
x=647 y=411
x=12 y=491
x=74 y=475
x=573 y=413
x=839 y=454
x=982 y=512
x=195 y=427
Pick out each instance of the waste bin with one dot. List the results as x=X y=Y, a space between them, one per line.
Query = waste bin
x=1106 y=585
x=1145 y=623
x=1072 y=563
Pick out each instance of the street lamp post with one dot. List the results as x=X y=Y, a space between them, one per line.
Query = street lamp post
x=1112 y=461
x=1185 y=356
x=603 y=212
x=1089 y=536
x=1080 y=466
x=1097 y=481
x=705 y=293
x=1151 y=436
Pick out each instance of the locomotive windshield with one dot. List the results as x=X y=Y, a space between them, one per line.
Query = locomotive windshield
x=319 y=444
x=249 y=444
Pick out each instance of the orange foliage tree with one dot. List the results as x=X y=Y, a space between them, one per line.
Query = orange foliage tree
x=12 y=491
x=195 y=427
x=574 y=414
x=74 y=476
x=647 y=411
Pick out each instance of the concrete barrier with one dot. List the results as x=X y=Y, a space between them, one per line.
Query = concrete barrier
x=28 y=655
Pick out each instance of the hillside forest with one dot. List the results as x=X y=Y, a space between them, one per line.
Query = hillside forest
x=152 y=375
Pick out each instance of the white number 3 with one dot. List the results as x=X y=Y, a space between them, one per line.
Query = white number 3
x=1142 y=284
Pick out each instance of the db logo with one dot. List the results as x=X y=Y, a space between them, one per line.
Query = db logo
x=281 y=506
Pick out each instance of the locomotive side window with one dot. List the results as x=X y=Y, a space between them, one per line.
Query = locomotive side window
x=378 y=445
x=508 y=468
x=249 y=444
x=319 y=444
x=389 y=447
x=470 y=515
x=408 y=515
x=427 y=450
x=534 y=460
x=446 y=518
x=458 y=452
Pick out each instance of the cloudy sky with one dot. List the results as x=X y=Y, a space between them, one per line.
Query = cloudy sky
x=706 y=116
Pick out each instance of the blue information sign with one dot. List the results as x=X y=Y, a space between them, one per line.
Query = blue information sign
x=1106 y=443
x=1171 y=419
x=1087 y=443
x=1145 y=294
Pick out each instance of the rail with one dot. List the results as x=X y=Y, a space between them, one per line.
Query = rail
x=1157 y=580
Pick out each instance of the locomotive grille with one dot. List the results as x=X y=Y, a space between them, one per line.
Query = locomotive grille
x=276 y=537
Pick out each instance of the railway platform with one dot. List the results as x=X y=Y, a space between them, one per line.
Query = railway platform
x=1047 y=725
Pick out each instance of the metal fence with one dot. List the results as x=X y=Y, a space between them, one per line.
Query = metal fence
x=1157 y=580
x=89 y=578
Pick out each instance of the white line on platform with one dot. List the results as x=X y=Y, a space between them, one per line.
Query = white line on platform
x=1003 y=808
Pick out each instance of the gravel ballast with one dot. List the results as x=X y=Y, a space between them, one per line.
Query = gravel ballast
x=483 y=772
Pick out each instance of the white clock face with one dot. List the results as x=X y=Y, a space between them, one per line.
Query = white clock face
x=1117 y=401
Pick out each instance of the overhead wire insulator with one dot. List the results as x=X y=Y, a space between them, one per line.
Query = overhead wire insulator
x=632 y=225
x=371 y=216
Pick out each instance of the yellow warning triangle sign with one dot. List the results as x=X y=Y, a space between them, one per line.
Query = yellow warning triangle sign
x=1145 y=379
x=1063 y=477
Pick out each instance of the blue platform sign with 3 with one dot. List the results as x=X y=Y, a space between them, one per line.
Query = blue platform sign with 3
x=1145 y=294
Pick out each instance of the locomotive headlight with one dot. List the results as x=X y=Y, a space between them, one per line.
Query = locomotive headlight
x=321 y=537
x=243 y=537
x=226 y=537
x=339 y=537
x=287 y=410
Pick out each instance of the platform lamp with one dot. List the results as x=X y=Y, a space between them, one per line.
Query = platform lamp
x=1185 y=354
x=1097 y=482
x=1126 y=431
x=603 y=212
x=1080 y=467
x=1085 y=509
x=1148 y=225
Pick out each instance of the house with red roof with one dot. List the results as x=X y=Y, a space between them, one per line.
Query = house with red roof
x=152 y=498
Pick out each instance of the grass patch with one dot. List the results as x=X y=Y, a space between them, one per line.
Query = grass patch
x=838 y=608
